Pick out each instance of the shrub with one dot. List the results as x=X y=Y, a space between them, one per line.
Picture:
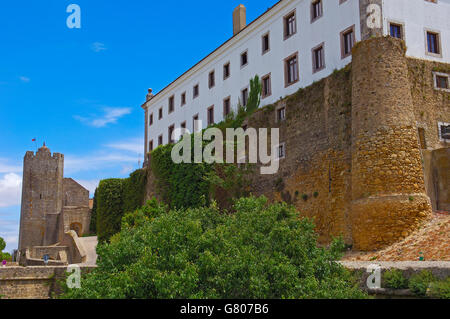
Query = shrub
x=93 y=224
x=261 y=251
x=395 y=279
x=420 y=283
x=440 y=289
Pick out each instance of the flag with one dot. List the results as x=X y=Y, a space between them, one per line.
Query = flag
x=33 y=140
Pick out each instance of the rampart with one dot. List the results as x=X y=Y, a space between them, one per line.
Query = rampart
x=355 y=145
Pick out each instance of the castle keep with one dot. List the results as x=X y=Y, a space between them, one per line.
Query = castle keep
x=55 y=210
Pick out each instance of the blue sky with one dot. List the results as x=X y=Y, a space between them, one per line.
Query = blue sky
x=80 y=90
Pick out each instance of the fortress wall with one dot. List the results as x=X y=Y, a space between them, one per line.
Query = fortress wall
x=315 y=176
x=353 y=159
x=75 y=194
x=42 y=191
x=389 y=200
x=32 y=282
x=430 y=105
x=77 y=215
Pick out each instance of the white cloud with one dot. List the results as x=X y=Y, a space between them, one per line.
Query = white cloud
x=24 y=79
x=133 y=145
x=94 y=162
x=10 y=190
x=111 y=116
x=9 y=231
x=8 y=168
x=98 y=47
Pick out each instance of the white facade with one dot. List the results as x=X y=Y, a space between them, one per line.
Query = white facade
x=415 y=16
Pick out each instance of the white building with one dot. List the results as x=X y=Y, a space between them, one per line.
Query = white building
x=290 y=46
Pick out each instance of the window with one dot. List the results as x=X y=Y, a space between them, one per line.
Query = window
x=265 y=43
x=226 y=106
x=171 y=137
x=444 y=132
x=290 y=25
x=196 y=91
x=347 y=41
x=266 y=86
x=422 y=139
x=396 y=30
x=183 y=126
x=433 y=43
x=195 y=123
x=281 y=151
x=183 y=98
x=211 y=115
x=160 y=114
x=244 y=96
x=244 y=59
x=160 y=140
x=281 y=114
x=151 y=120
x=226 y=71
x=291 y=69
x=442 y=82
x=150 y=146
x=316 y=10
x=318 y=55
x=211 y=79
x=171 y=104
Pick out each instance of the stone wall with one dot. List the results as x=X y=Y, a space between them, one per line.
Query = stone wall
x=41 y=195
x=76 y=217
x=315 y=175
x=389 y=200
x=353 y=158
x=437 y=173
x=32 y=282
x=75 y=194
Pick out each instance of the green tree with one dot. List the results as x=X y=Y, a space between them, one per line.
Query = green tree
x=2 y=244
x=4 y=256
x=261 y=251
x=254 y=97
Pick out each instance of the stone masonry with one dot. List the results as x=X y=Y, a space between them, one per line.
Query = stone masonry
x=354 y=161
x=51 y=205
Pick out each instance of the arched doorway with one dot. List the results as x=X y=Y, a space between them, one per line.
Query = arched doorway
x=77 y=228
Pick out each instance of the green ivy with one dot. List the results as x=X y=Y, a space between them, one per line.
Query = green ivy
x=179 y=185
x=134 y=190
x=109 y=210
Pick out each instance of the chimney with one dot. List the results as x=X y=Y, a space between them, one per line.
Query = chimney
x=239 y=19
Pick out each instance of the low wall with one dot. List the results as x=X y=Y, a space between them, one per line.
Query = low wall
x=32 y=282
x=77 y=251
x=439 y=269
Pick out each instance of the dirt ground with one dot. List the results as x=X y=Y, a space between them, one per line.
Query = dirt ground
x=432 y=240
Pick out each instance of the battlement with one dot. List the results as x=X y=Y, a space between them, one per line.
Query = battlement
x=43 y=154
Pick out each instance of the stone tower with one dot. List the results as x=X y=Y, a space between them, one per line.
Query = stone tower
x=42 y=190
x=388 y=189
